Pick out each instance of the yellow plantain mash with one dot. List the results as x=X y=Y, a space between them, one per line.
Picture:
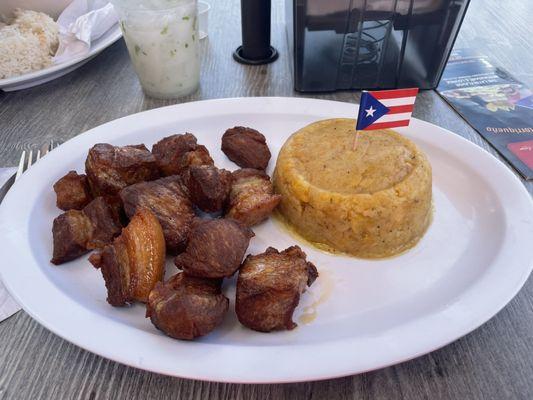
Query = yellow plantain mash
x=371 y=202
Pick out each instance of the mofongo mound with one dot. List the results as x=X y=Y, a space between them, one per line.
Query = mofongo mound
x=371 y=202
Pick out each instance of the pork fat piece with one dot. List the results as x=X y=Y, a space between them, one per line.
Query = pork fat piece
x=135 y=262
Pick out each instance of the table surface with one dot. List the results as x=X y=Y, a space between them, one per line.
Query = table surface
x=494 y=362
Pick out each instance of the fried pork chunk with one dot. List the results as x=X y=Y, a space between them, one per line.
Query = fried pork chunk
x=269 y=287
x=165 y=198
x=135 y=262
x=111 y=168
x=186 y=307
x=208 y=187
x=252 y=197
x=215 y=249
x=246 y=147
x=174 y=154
x=76 y=232
x=72 y=192
x=105 y=220
x=71 y=232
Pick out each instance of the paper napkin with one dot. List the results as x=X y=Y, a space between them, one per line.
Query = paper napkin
x=8 y=306
x=79 y=24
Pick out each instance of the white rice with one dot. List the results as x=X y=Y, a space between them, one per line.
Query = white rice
x=28 y=43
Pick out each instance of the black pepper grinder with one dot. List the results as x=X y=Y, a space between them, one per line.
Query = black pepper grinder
x=256 y=48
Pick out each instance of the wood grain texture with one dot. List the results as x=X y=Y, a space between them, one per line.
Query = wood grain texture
x=494 y=362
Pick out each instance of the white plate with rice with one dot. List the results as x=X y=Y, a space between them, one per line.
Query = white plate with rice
x=54 y=71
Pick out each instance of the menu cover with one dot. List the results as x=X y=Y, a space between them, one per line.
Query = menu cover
x=498 y=106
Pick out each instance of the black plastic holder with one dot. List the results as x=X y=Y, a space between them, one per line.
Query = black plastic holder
x=256 y=48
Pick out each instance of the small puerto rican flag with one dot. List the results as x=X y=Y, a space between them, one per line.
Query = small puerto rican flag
x=385 y=109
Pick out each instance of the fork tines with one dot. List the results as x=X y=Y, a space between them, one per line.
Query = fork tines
x=27 y=161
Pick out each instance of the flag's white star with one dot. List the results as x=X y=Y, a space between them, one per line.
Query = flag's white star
x=370 y=112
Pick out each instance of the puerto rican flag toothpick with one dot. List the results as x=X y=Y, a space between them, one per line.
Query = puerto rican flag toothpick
x=385 y=109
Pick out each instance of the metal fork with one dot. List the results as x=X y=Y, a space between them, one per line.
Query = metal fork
x=24 y=163
x=27 y=162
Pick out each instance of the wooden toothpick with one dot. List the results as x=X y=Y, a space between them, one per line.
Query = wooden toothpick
x=355 y=140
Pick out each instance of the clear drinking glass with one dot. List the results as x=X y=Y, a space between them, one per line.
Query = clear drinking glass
x=203 y=18
x=162 y=40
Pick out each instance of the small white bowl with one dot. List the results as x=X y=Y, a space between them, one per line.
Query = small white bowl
x=51 y=7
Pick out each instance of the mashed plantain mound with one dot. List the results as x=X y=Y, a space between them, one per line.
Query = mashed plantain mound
x=371 y=202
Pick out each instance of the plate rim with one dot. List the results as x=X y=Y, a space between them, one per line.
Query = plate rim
x=114 y=34
x=511 y=180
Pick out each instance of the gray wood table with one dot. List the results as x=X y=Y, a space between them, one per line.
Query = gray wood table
x=494 y=362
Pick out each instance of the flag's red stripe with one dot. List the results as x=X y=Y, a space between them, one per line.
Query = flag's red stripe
x=394 y=94
x=401 y=109
x=385 y=125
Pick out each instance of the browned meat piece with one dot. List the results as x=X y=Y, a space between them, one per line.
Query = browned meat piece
x=215 y=249
x=111 y=168
x=209 y=187
x=75 y=232
x=174 y=154
x=105 y=222
x=199 y=156
x=269 y=287
x=71 y=232
x=165 y=198
x=135 y=262
x=252 y=197
x=72 y=192
x=246 y=147
x=186 y=307
x=115 y=202
x=169 y=151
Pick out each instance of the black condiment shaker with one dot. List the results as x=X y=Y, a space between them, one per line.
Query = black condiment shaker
x=256 y=48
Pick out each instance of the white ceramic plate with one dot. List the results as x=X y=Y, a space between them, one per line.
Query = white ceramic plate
x=472 y=261
x=55 y=71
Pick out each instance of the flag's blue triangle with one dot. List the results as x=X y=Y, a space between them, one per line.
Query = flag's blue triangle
x=370 y=110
